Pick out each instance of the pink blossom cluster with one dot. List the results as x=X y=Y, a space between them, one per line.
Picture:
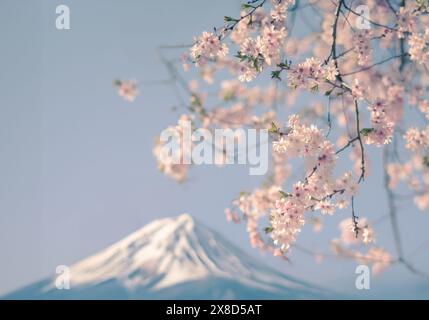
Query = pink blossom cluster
x=311 y=74
x=308 y=142
x=260 y=38
x=362 y=46
x=286 y=220
x=417 y=140
x=357 y=232
x=281 y=169
x=167 y=163
x=316 y=192
x=415 y=173
x=419 y=47
x=377 y=257
x=353 y=233
x=206 y=47
x=231 y=117
x=406 y=21
x=233 y=90
x=382 y=127
x=254 y=206
x=424 y=108
x=260 y=52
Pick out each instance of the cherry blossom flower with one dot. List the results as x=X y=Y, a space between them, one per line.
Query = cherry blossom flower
x=380 y=258
x=363 y=234
x=419 y=48
x=167 y=163
x=206 y=47
x=287 y=221
x=325 y=207
x=417 y=139
x=406 y=21
x=280 y=146
x=127 y=89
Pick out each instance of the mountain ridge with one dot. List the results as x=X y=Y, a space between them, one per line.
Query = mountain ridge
x=172 y=258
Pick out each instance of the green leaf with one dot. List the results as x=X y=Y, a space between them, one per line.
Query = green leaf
x=274 y=129
x=255 y=63
x=276 y=74
x=241 y=56
x=229 y=96
x=245 y=6
x=284 y=194
x=328 y=93
x=268 y=229
x=203 y=112
x=366 y=131
x=230 y=19
x=426 y=161
x=195 y=101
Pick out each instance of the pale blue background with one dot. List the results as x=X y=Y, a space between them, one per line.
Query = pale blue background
x=76 y=165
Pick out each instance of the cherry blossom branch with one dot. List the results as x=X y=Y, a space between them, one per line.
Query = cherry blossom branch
x=370 y=21
x=359 y=138
x=333 y=52
x=394 y=221
x=402 y=45
x=342 y=255
x=345 y=52
x=234 y=22
x=348 y=144
x=355 y=218
x=376 y=64
x=263 y=46
x=391 y=7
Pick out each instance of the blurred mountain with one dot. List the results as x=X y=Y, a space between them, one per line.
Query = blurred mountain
x=173 y=258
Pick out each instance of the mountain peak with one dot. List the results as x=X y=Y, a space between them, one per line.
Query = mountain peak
x=173 y=254
x=186 y=218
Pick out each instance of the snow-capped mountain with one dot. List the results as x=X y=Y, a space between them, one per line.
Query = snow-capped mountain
x=172 y=258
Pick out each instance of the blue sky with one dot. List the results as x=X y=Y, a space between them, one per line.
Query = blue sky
x=76 y=161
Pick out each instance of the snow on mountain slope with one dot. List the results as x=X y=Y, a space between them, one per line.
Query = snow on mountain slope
x=173 y=258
